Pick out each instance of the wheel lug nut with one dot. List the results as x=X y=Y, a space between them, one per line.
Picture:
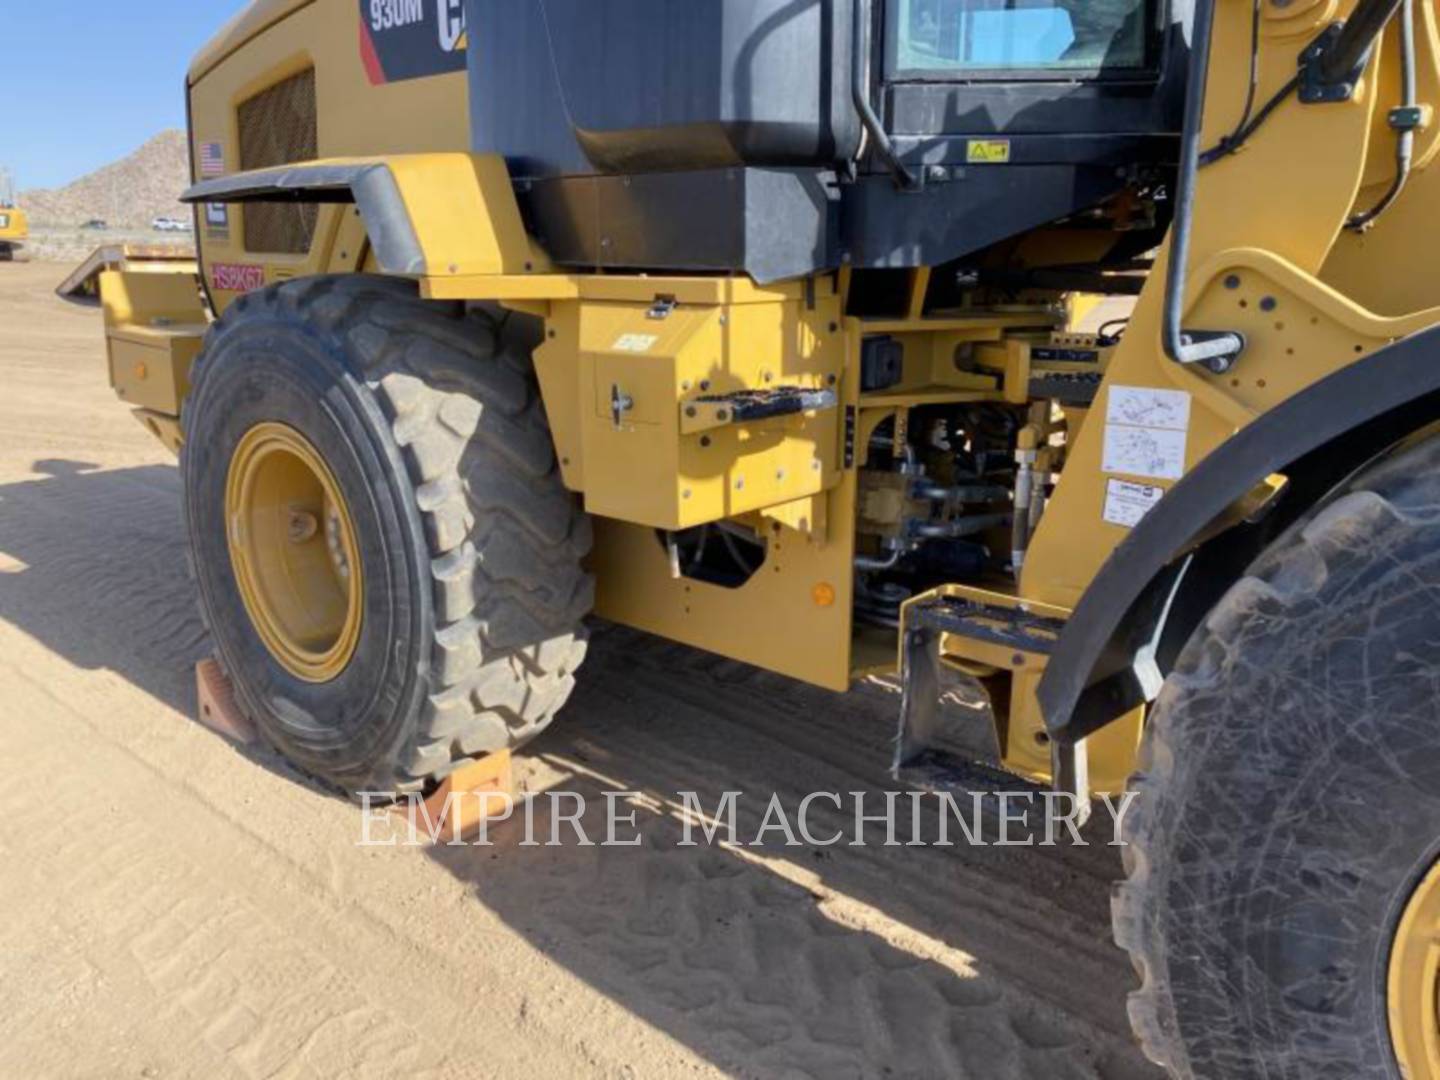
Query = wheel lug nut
x=303 y=527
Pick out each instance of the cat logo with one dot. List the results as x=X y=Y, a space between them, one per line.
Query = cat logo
x=452 y=25
x=411 y=39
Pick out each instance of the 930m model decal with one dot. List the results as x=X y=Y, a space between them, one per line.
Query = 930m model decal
x=411 y=39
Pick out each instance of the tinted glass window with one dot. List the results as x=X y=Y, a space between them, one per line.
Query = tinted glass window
x=981 y=37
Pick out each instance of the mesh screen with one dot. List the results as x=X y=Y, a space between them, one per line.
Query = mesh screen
x=278 y=126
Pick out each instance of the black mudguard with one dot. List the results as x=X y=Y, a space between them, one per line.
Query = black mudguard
x=1328 y=429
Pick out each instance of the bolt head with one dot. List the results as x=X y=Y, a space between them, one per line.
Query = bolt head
x=303 y=527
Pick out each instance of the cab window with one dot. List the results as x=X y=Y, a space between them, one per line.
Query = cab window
x=989 y=38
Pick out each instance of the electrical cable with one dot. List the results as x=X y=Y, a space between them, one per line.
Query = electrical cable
x=1231 y=143
x=1110 y=339
x=1251 y=91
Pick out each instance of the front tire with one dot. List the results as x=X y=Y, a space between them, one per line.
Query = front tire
x=1288 y=815
x=430 y=434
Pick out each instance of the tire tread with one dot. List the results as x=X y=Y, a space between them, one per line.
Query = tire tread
x=506 y=539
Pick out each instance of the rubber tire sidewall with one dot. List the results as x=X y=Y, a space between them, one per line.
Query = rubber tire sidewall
x=1293 y=793
x=270 y=368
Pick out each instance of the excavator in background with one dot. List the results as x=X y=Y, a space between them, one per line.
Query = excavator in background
x=745 y=324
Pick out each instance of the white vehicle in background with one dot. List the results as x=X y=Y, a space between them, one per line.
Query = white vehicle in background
x=169 y=224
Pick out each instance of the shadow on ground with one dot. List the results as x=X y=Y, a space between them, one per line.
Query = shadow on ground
x=92 y=565
x=767 y=961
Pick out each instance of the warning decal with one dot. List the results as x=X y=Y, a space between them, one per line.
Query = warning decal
x=217 y=220
x=1146 y=432
x=1127 y=504
x=411 y=39
x=987 y=151
x=1142 y=407
x=635 y=343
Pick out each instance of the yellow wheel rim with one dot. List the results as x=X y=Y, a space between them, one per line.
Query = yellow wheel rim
x=1414 y=1003
x=292 y=546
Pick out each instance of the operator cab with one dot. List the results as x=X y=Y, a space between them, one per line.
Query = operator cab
x=880 y=135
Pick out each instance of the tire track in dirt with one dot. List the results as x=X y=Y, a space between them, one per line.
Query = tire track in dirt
x=200 y=914
x=855 y=962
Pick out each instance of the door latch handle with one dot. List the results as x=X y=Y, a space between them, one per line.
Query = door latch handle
x=620 y=404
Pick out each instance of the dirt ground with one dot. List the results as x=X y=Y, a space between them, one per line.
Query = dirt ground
x=176 y=907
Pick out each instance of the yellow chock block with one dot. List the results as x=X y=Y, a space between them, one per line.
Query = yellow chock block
x=218 y=709
x=473 y=794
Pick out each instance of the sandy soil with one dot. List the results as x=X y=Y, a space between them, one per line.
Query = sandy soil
x=173 y=906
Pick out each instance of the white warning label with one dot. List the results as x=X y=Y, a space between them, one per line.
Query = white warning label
x=1146 y=432
x=635 y=343
x=1138 y=406
x=1145 y=452
x=1127 y=504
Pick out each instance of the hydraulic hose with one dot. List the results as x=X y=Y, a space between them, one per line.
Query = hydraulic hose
x=1404 y=136
x=1347 y=52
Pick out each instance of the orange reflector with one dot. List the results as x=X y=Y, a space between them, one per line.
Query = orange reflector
x=823 y=595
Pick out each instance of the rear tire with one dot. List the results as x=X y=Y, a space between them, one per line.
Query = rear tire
x=1289 y=799
x=435 y=435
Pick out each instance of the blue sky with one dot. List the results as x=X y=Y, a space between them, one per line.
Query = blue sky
x=83 y=82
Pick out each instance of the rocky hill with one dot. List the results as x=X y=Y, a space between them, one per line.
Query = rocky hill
x=127 y=193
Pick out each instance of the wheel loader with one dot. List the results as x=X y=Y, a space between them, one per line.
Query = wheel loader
x=750 y=325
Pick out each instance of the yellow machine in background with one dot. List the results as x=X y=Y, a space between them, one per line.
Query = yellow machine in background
x=14 y=229
x=490 y=333
x=14 y=223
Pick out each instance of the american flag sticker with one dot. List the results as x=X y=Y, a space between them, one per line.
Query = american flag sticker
x=212 y=160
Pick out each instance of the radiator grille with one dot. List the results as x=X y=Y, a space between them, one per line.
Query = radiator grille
x=278 y=126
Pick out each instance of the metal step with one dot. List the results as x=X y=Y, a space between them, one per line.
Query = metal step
x=1009 y=627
